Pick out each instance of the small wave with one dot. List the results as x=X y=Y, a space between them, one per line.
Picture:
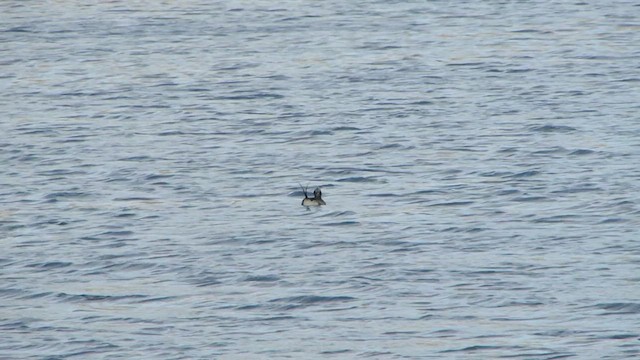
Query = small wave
x=555 y=219
x=390 y=146
x=466 y=64
x=339 y=213
x=92 y=297
x=342 y=223
x=551 y=150
x=621 y=336
x=619 y=308
x=549 y=128
x=336 y=352
x=612 y=220
x=66 y=194
x=136 y=158
x=581 y=152
x=10 y=293
x=422 y=192
x=453 y=203
x=208 y=281
x=578 y=189
x=345 y=128
x=157 y=176
x=421 y=102
x=473 y=348
x=135 y=198
x=529 y=198
x=19 y=29
x=262 y=278
x=309 y=300
x=50 y=265
x=360 y=179
x=495 y=173
x=250 y=96
x=523 y=174
x=384 y=195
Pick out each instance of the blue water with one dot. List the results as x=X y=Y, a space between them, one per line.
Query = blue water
x=479 y=160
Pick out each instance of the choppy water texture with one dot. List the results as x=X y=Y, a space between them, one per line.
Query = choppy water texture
x=480 y=162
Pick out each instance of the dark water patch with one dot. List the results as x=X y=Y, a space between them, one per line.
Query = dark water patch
x=495 y=174
x=474 y=348
x=336 y=352
x=390 y=146
x=577 y=189
x=560 y=333
x=61 y=173
x=136 y=158
x=549 y=128
x=466 y=64
x=613 y=220
x=66 y=194
x=158 y=176
x=16 y=325
x=557 y=219
x=94 y=298
x=11 y=292
x=392 y=333
x=37 y=295
x=262 y=278
x=619 y=308
x=421 y=103
x=530 y=198
x=342 y=223
x=524 y=174
x=377 y=354
x=581 y=152
x=338 y=213
x=53 y=222
x=89 y=347
x=174 y=133
x=207 y=280
x=459 y=229
x=126 y=266
x=250 y=96
x=452 y=203
x=295 y=302
x=508 y=150
x=426 y=192
x=345 y=128
x=11 y=225
x=551 y=150
x=625 y=80
x=361 y=179
x=275 y=318
x=353 y=170
x=160 y=299
x=519 y=71
x=620 y=337
x=136 y=198
x=534 y=31
x=51 y=265
x=124 y=215
x=384 y=195
x=19 y=29
x=117 y=233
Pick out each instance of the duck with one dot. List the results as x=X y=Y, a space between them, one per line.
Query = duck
x=316 y=200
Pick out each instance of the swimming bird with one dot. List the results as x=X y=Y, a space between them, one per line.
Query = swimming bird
x=316 y=200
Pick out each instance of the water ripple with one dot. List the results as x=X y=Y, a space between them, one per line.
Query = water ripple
x=478 y=159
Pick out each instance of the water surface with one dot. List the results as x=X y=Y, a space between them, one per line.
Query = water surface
x=479 y=161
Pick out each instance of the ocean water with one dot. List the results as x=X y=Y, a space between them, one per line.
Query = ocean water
x=479 y=160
